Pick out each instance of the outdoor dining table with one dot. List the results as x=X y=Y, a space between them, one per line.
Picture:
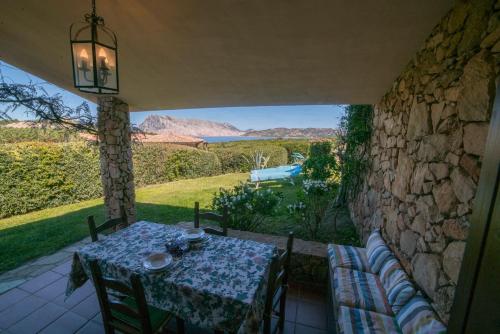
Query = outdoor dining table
x=220 y=284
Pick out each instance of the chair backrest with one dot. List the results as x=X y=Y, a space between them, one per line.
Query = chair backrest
x=130 y=318
x=95 y=230
x=278 y=278
x=282 y=273
x=211 y=216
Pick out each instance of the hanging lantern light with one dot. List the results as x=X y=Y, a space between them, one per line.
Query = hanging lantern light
x=94 y=52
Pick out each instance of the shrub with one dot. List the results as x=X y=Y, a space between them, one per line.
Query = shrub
x=160 y=163
x=247 y=207
x=17 y=135
x=295 y=146
x=239 y=158
x=312 y=205
x=34 y=176
x=354 y=144
x=321 y=162
x=187 y=164
x=290 y=145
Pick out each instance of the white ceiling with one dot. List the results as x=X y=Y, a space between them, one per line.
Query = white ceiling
x=210 y=53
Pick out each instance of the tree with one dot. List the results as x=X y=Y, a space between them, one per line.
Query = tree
x=354 y=138
x=35 y=101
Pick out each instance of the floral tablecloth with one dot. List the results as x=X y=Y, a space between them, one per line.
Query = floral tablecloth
x=220 y=284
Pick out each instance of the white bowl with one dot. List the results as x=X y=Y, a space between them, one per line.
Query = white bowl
x=157 y=261
x=194 y=234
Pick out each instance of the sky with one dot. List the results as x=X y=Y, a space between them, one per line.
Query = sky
x=244 y=118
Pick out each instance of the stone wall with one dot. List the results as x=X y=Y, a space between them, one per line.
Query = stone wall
x=117 y=176
x=429 y=133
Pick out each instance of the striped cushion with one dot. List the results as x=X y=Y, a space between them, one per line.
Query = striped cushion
x=348 y=257
x=375 y=239
x=360 y=290
x=354 y=320
x=417 y=317
x=377 y=251
x=399 y=294
x=391 y=273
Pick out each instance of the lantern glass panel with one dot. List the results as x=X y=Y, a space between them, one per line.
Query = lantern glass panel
x=106 y=67
x=83 y=64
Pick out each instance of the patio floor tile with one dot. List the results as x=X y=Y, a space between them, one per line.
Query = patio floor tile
x=76 y=297
x=69 y=322
x=97 y=318
x=289 y=328
x=20 y=310
x=313 y=315
x=313 y=296
x=40 y=282
x=88 y=308
x=91 y=328
x=291 y=309
x=64 y=268
x=38 y=319
x=301 y=329
x=53 y=290
x=11 y=297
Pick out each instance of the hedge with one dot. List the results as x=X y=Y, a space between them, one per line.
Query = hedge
x=248 y=147
x=35 y=176
x=18 y=135
x=239 y=158
x=160 y=163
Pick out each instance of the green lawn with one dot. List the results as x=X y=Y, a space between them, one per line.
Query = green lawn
x=28 y=236
x=43 y=232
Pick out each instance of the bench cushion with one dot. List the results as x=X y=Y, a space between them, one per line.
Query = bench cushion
x=377 y=251
x=399 y=294
x=360 y=290
x=418 y=317
x=391 y=273
x=354 y=320
x=348 y=257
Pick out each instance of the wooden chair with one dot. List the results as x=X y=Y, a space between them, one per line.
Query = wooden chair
x=111 y=223
x=277 y=289
x=211 y=216
x=130 y=314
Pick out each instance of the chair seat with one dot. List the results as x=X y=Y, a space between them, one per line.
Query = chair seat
x=157 y=316
x=354 y=320
x=361 y=290
x=348 y=257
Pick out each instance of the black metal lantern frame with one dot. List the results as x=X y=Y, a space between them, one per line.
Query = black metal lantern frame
x=94 y=55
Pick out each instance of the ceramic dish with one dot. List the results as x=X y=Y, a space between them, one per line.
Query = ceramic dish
x=157 y=261
x=194 y=234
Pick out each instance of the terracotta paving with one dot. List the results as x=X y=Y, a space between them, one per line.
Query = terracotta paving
x=38 y=306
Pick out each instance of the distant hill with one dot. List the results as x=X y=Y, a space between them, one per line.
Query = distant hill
x=188 y=127
x=293 y=133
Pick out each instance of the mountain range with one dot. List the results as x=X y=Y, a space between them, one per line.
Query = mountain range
x=201 y=128
x=188 y=127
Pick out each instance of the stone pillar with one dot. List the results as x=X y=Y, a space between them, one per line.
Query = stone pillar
x=117 y=175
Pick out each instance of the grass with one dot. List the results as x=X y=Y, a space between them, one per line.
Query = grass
x=35 y=234
x=39 y=233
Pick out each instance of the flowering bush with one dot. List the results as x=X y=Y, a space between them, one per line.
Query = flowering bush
x=247 y=207
x=315 y=187
x=321 y=163
x=311 y=207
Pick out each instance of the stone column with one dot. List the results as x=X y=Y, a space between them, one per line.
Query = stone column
x=117 y=175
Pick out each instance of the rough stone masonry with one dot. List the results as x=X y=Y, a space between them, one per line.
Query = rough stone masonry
x=117 y=175
x=429 y=133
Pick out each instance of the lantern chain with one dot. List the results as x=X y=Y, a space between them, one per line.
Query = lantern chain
x=92 y=17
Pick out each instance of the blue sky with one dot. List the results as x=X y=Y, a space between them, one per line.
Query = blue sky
x=321 y=116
